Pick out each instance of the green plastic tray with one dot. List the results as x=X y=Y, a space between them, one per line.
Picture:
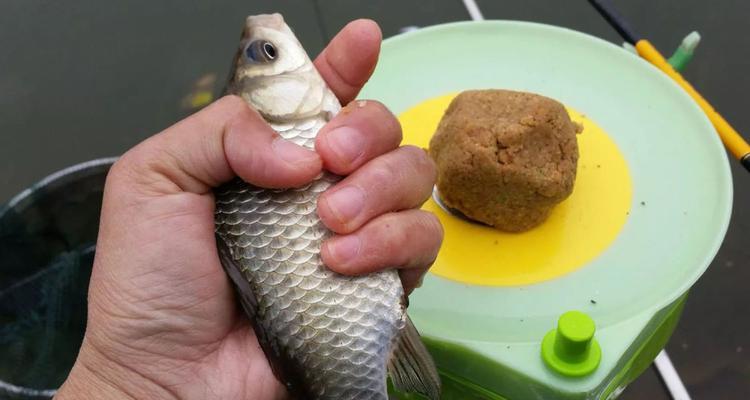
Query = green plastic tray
x=489 y=338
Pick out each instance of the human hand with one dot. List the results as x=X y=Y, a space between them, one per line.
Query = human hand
x=163 y=322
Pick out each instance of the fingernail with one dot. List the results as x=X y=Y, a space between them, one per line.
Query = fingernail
x=346 y=203
x=347 y=143
x=291 y=152
x=344 y=248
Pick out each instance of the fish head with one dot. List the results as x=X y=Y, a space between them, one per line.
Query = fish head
x=273 y=73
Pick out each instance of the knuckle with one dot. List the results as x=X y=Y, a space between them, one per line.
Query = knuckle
x=397 y=131
x=231 y=104
x=422 y=162
x=146 y=169
x=232 y=109
x=382 y=175
x=432 y=238
x=119 y=168
x=377 y=106
x=433 y=226
x=391 y=124
x=393 y=235
x=384 y=121
x=430 y=167
x=125 y=165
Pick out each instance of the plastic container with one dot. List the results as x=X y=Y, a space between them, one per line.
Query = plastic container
x=47 y=237
x=641 y=226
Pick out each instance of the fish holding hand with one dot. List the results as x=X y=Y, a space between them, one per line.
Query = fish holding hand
x=326 y=335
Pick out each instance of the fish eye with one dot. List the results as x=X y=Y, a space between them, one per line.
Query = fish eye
x=269 y=50
x=260 y=51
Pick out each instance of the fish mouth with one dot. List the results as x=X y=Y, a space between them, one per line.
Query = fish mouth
x=269 y=21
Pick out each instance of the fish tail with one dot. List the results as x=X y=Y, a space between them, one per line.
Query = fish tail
x=411 y=367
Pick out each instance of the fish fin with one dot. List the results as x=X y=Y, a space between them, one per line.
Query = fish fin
x=281 y=364
x=411 y=367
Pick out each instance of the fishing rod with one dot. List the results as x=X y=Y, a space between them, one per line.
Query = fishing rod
x=732 y=140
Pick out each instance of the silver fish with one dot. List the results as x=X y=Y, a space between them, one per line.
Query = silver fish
x=327 y=336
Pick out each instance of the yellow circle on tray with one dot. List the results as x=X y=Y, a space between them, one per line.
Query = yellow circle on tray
x=578 y=230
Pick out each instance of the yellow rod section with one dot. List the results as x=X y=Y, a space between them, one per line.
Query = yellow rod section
x=731 y=138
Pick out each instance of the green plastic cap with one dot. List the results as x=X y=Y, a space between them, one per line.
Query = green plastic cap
x=571 y=349
x=684 y=52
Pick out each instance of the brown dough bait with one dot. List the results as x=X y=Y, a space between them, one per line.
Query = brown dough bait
x=505 y=158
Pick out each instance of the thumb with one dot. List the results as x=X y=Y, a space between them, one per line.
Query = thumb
x=226 y=139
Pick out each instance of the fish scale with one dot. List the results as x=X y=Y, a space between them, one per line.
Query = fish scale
x=327 y=336
x=327 y=318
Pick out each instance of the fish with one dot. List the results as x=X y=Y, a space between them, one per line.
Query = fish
x=327 y=336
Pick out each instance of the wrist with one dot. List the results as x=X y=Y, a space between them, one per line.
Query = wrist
x=84 y=383
x=94 y=376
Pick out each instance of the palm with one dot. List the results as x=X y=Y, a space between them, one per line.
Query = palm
x=186 y=315
x=163 y=318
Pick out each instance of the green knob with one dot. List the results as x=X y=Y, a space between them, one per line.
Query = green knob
x=571 y=349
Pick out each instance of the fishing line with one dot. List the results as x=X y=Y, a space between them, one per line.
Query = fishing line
x=474 y=12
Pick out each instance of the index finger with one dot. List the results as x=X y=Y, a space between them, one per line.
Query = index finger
x=349 y=60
